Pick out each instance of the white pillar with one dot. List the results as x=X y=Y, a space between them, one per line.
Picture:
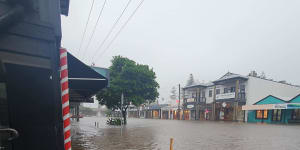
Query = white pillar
x=246 y=115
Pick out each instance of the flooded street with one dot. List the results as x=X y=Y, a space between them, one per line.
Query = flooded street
x=155 y=134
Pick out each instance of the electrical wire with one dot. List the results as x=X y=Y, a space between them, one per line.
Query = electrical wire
x=94 y=29
x=87 y=22
x=112 y=28
x=124 y=25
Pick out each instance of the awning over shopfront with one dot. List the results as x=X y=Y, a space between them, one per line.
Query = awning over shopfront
x=272 y=106
x=85 y=81
x=271 y=102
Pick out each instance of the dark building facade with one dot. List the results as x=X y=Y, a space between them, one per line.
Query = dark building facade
x=30 y=34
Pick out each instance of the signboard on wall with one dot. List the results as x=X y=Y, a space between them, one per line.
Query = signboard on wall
x=293 y=106
x=190 y=100
x=190 y=106
x=225 y=96
x=258 y=107
x=272 y=106
x=280 y=106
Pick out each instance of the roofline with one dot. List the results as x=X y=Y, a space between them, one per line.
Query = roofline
x=220 y=80
x=269 y=96
x=192 y=86
x=294 y=98
x=99 y=67
x=275 y=81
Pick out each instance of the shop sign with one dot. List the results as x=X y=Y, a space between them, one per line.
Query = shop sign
x=225 y=96
x=190 y=106
x=224 y=104
x=293 y=106
x=190 y=100
x=258 y=107
x=280 y=106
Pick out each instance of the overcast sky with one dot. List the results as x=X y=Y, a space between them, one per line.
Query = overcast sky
x=204 y=37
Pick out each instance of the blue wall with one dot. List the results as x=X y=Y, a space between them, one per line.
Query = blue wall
x=296 y=99
x=286 y=115
x=270 y=100
x=252 y=117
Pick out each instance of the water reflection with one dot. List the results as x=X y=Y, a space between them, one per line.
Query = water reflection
x=148 y=134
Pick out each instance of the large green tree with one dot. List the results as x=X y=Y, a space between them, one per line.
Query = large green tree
x=136 y=81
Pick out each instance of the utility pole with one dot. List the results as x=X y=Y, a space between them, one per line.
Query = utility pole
x=179 y=96
x=179 y=102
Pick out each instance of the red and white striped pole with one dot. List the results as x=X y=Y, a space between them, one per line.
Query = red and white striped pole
x=65 y=97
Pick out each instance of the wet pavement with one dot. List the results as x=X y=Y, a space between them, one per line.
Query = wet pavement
x=148 y=134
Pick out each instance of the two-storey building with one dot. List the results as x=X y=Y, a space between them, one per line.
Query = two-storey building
x=197 y=101
x=229 y=97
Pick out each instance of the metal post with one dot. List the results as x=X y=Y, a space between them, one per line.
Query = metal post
x=171 y=143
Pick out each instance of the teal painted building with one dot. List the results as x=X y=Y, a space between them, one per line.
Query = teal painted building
x=291 y=114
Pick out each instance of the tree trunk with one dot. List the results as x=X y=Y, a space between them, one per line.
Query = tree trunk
x=124 y=117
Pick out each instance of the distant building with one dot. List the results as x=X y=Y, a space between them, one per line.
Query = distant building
x=223 y=98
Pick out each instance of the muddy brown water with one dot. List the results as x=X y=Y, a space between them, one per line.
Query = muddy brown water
x=152 y=134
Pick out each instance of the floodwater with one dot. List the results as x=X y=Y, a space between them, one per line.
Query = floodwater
x=148 y=134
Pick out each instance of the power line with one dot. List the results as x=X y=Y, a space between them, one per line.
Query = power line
x=93 y=32
x=87 y=22
x=124 y=25
x=114 y=25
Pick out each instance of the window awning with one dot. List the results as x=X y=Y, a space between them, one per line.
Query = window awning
x=84 y=81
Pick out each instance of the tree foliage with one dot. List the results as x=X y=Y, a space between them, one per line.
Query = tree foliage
x=173 y=95
x=191 y=80
x=136 y=81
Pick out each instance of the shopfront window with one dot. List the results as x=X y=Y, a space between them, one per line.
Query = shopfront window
x=262 y=114
x=296 y=114
x=276 y=115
